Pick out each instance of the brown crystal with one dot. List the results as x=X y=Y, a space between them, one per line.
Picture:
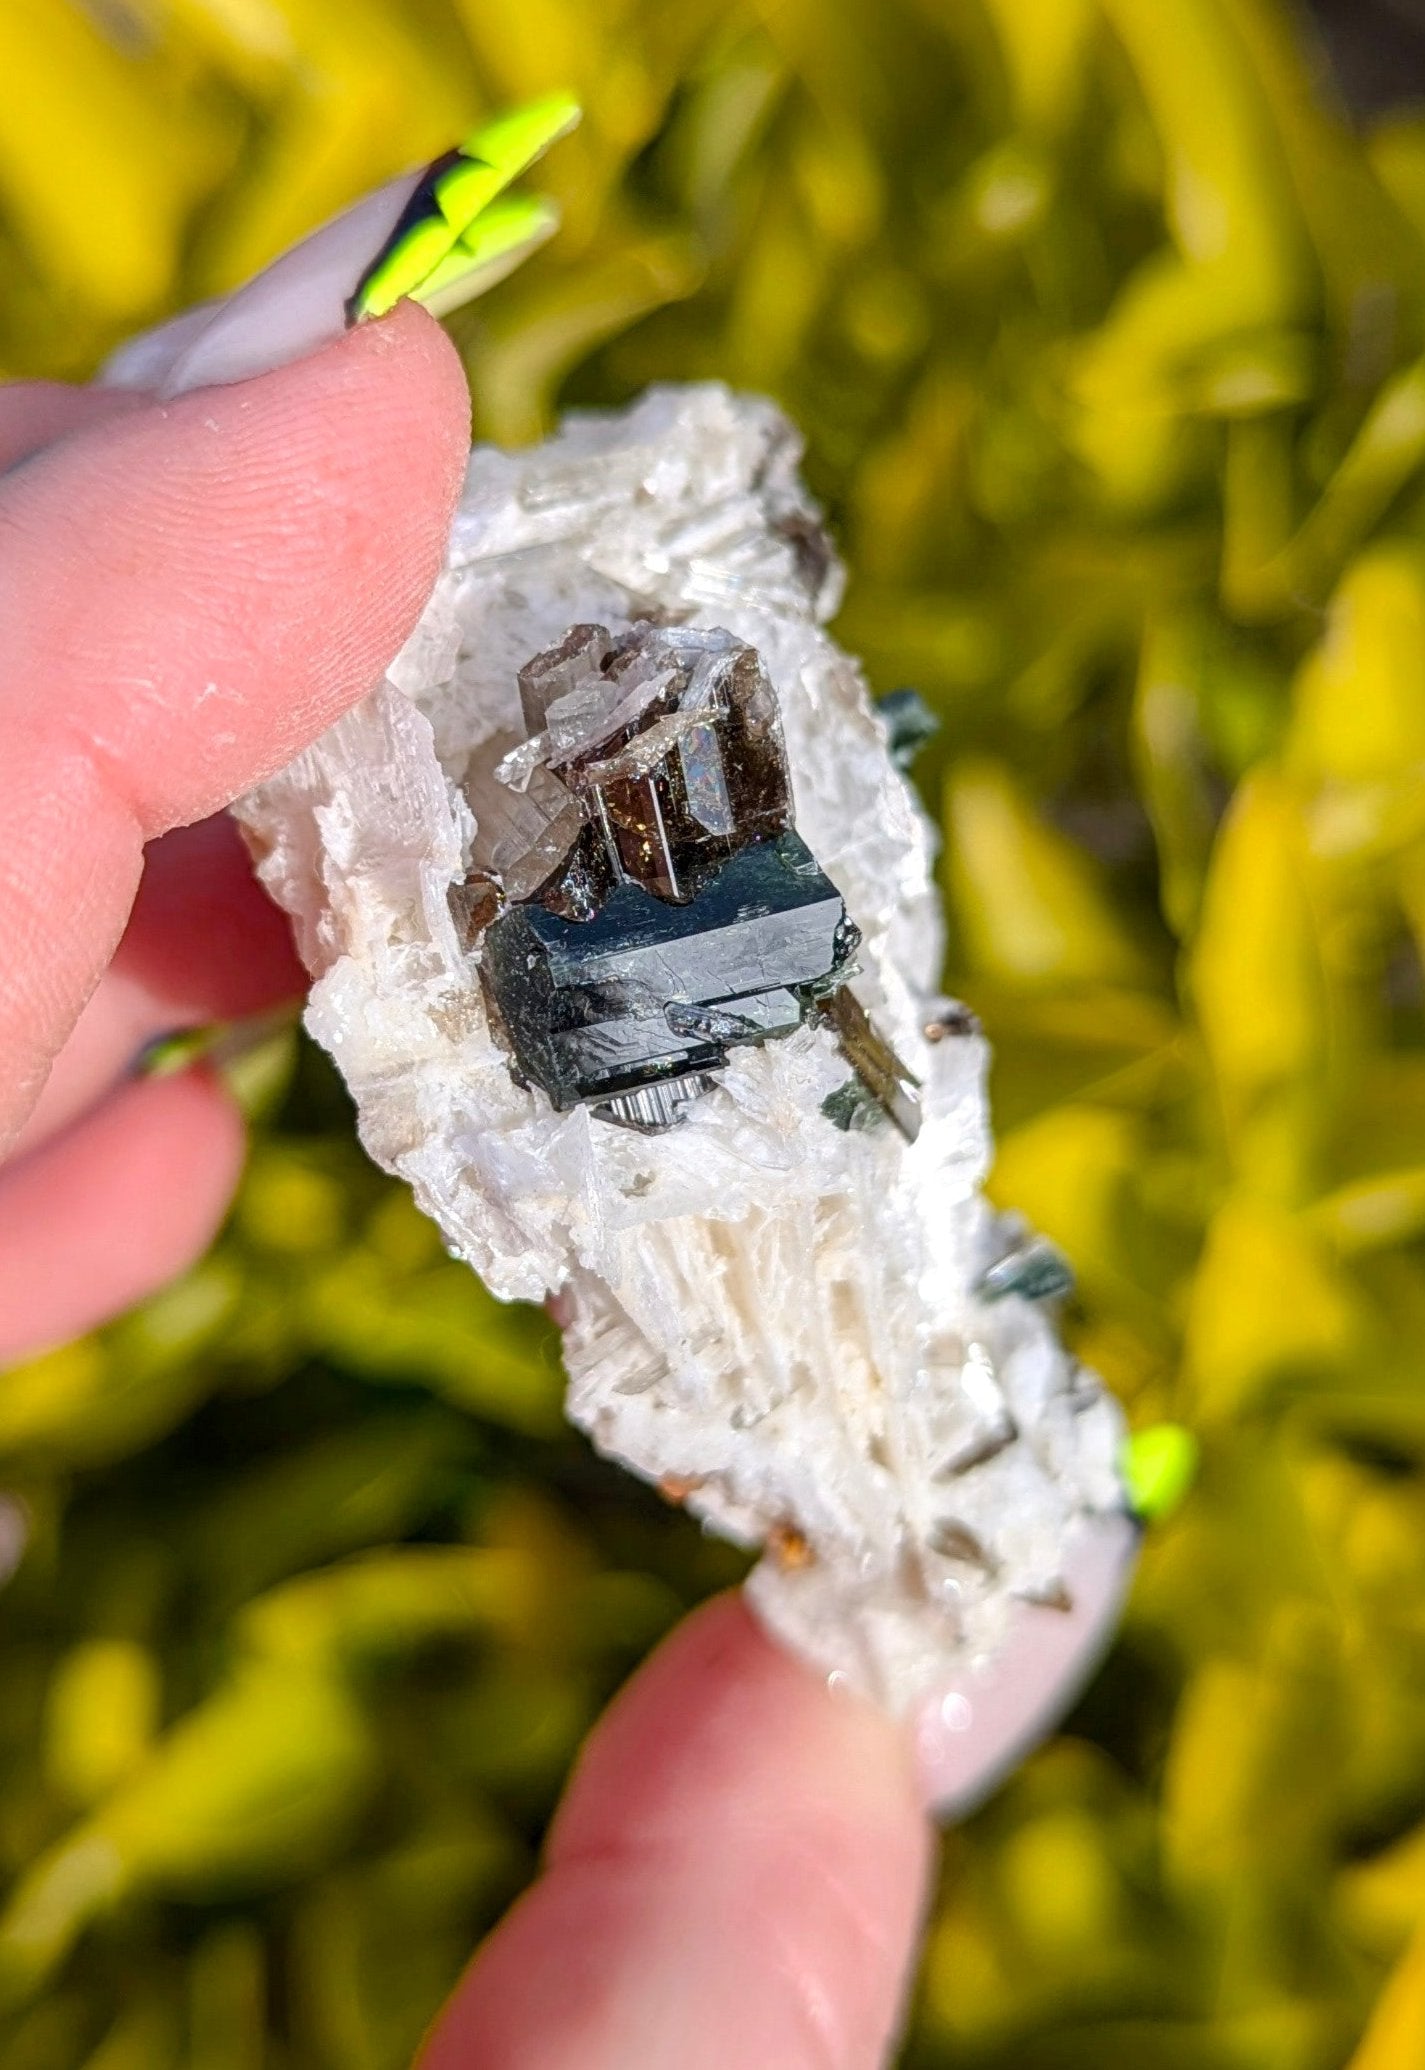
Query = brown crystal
x=873 y=1060
x=671 y=739
x=522 y=836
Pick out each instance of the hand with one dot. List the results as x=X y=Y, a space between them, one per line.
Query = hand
x=190 y=593
x=733 y=1881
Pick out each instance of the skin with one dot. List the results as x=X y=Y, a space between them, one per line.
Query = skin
x=191 y=591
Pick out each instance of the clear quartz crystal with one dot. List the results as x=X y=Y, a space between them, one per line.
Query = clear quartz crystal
x=802 y=1326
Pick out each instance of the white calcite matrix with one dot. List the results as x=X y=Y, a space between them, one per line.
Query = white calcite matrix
x=774 y=1318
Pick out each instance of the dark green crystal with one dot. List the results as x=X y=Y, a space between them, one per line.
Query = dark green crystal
x=657 y=906
x=1034 y=1270
x=649 y=990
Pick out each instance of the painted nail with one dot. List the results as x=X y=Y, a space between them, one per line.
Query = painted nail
x=977 y=1727
x=439 y=236
x=459 y=231
x=1158 y=1466
x=144 y=362
x=295 y=306
x=223 y=1044
x=164 y=1056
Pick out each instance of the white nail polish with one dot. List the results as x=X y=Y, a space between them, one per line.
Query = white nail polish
x=145 y=361
x=973 y=1731
x=296 y=305
x=293 y=307
x=464 y=233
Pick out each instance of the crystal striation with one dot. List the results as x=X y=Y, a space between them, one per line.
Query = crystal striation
x=645 y=990
x=795 y=1316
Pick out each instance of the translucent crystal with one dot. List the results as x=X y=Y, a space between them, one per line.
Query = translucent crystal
x=646 y=821
x=672 y=737
x=522 y=835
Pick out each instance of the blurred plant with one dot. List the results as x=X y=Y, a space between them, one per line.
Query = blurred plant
x=1108 y=339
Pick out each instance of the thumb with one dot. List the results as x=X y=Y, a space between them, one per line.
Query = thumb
x=191 y=592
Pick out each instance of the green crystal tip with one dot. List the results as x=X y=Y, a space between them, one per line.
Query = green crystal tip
x=460 y=232
x=1158 y=1467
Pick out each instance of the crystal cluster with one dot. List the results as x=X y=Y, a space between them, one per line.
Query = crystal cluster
x=619 y=911
x=679 y=912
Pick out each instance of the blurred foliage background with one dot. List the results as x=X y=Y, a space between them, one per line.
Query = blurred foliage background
x=1107 y=335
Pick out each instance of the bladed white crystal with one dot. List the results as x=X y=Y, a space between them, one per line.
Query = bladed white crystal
x=774 y=1317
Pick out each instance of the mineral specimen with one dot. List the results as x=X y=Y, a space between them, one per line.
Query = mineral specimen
x=621 y=838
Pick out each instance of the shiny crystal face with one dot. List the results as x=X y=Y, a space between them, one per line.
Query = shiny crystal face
x=644 y=898
x=668 y=743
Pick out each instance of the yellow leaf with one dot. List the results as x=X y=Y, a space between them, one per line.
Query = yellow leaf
x=524 y=348
x=1396 y=2034
x=1383 y=1899
x=145 y=2036
x=1031 y=906
x=1171 y=759
x=1236 y=1819
x=1385 y=453
x=1073 y=1173
x=1396 y=149
x=100 y=1715
x=1267 y=1305
x=1360 y=694
x=1373 y=1213
x=1243 y=262
x=100 y=164
x=1061 y=1884
x=1043 y=43
x=1258 y=986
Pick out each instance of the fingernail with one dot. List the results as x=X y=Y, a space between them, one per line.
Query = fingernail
x=294 y=307
x=221 y=1043
x=976 y=1728
x=438 y=236
x=460 y=232
x=1158 y=1466
x=144 y=362
x=164 y=1056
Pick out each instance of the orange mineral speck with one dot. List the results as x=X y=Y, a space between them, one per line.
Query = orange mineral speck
x=788 y=1546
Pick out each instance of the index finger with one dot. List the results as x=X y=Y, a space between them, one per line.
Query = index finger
x=735 y=1878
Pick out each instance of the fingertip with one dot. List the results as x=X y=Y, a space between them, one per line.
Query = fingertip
x=112 y=1209
x=736 y=1876
x=368 y=438
x=246 y=561
x=34 y=414
x=204 y=943
x=710 y=1720
x=192 y=592
x=408 y=355
x=411 y=345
